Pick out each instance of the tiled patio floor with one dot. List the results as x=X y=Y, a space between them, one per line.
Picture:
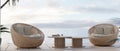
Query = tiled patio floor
x=48 y=47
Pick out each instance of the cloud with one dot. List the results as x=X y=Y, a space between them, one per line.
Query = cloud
x=49 y=14
x=115 y=21
x=52 y=3
x=98 y=10
x=99 y=6
x=78 y=23
x=34 y=15
x=67 y=24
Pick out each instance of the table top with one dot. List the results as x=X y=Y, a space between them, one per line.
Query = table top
x=59 y=37
x=81 y=37
x=66 y=37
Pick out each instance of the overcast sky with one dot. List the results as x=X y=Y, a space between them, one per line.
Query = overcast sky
x=63 y=13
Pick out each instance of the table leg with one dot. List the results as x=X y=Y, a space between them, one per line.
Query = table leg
x=59 y=43
x=76 y=42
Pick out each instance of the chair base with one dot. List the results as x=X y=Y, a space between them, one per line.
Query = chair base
x=27 y=47
x=102 y=45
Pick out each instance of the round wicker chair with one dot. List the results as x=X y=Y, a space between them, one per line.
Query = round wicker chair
x=26 y=36
x=103 y=34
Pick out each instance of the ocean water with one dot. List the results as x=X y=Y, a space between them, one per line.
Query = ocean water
x=66 y=32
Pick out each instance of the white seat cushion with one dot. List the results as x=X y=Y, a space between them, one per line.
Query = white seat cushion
x=100 y=35
x=37 y=36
